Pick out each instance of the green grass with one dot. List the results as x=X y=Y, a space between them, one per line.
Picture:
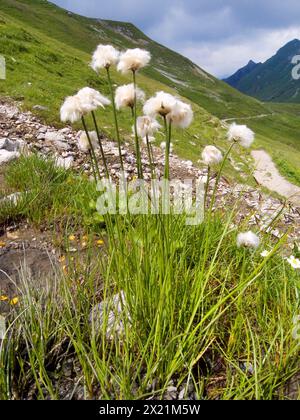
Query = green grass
x=47 y=193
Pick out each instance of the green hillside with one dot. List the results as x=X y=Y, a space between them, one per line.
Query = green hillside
x=48 y=51
x=168 y=67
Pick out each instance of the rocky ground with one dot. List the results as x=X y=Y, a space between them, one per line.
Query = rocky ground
x=22 y=131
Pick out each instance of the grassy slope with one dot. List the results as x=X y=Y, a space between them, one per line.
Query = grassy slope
x=84 y=33
x=43 y=71
x=50 y=48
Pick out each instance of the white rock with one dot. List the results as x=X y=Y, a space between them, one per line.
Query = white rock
x=6 y=156
x=111 y=312
x=57 y=139
x=13 y=198
x=65 y=163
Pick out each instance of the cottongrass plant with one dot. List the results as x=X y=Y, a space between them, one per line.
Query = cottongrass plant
x=75 y=108
x=147 y=127
x=105 y=57
x=131 y=61
x=161 y=303
x=174 y=112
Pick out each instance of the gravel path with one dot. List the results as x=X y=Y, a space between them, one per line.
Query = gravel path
x=268 y=175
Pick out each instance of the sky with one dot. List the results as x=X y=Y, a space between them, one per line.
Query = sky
x=220 y=36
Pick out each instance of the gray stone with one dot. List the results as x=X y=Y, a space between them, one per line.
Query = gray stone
x=40 y=108
x=60 y=144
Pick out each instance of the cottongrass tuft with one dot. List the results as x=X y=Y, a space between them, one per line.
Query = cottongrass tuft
x=147 y=126
x=104 y=57
x=161 y=104
x=90 y=99
x=71 y=110
x=125 y=96
x=133 y=60
x=248 y=240
x=181 y=115
x=211 y=155
x=241 y=134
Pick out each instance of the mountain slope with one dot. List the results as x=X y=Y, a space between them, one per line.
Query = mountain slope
x=241 y=73
x=168 y=67
x=48 y=49
x=272 y=80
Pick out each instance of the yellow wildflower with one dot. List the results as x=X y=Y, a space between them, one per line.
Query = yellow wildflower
x=14 y=301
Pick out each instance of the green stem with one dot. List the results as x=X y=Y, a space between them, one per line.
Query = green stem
x=150 y=154
x=207 y=186
x=93 y=167
x=91 y=147
x=213 y=199
x=168 y=146
x=115 y=118
x=100 y=144
x=137 y=145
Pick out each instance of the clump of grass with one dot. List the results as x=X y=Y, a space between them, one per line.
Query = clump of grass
x=208 y=303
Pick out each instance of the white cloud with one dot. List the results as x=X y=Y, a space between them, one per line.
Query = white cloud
x=222 y=60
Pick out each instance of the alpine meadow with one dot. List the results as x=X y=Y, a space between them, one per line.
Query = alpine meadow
x=149 y=218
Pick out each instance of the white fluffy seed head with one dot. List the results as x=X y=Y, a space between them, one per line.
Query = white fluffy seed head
x=104 y=57
x=161 y=104
x=71 y=110
x=181 y=115
x=90 y=99
x=211 y=155
x=241 y=134
x=125 y=95
x=248 y=240
x=133 y=60
x=83 y=142
x=147 y=126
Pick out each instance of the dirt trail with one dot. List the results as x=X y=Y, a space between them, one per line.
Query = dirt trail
x=254 y=117
x=268 y=175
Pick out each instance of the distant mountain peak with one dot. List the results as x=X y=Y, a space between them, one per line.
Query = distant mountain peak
x=241 y=73
x=271 y=80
